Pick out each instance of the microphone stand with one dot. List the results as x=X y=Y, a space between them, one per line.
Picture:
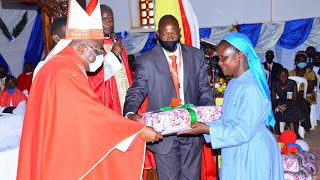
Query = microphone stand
x=213 y=85
x=215 y=151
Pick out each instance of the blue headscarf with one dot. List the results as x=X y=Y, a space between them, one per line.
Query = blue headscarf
x=242 y=42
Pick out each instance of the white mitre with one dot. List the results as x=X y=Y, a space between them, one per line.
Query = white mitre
x=80 y=25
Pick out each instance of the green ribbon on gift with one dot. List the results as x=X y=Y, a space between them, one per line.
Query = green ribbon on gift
x=192 y=113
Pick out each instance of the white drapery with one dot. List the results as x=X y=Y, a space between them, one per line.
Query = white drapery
x=135 y=42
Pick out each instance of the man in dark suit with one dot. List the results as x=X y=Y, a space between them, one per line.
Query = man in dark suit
x=177 y=157
x=271 y=67
x=311 y=52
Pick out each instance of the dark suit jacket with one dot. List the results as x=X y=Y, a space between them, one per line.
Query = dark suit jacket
x=275 y=69
x=153 y=78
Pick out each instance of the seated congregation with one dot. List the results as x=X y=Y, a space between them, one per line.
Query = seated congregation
x=14 y=91
x=294 y=93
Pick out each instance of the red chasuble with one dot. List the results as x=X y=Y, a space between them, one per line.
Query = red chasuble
x=67 y=132
x=108 y=90
x=24 y=81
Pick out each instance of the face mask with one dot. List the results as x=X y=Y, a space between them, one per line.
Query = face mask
x=169 y=45
x=11 y=91
x=96 y=64
x=302 y=65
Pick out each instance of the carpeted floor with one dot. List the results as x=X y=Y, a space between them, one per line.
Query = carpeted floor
x=313 y=140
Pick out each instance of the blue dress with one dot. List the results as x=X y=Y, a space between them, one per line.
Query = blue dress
x=249 y=149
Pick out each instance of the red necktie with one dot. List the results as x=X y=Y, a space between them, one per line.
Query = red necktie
x=174 y=74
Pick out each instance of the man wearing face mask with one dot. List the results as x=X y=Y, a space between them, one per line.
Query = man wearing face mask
x=11 y=96
x=113 y=91
x=25 y=79
x=67 y=133
x=271 y=67
x=171 y=70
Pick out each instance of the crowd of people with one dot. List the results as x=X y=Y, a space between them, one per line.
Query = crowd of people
x=14 y=90
x=288 y=101
x=85 y=126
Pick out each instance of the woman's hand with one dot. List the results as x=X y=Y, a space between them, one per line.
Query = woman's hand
x=283 y=107
x=197 y=128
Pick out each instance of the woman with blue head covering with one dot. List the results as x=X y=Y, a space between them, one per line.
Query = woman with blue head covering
x=249 y=149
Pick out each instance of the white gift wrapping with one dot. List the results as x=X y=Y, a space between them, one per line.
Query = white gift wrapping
x=179 y=119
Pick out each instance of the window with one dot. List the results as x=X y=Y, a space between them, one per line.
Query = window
x=146 y=13
x=141 y=14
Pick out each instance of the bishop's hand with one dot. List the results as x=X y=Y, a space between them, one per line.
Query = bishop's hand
x=149 y=135
x=134 y=117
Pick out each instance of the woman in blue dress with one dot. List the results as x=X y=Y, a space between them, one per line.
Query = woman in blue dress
x=249 y=149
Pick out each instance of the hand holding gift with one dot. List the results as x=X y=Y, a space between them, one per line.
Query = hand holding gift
x=149 y=135
x=171 y=120
x=197 y=128
x=135 y=117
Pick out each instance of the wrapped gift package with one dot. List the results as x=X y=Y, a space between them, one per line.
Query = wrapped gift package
x=306 y=171
x=300 y=165
x=308 y=161
x=296 y=176
x=179 y=119
x=290 y=163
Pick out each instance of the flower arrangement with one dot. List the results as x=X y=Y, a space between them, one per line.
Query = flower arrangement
x=221 y=85
x=235 y=27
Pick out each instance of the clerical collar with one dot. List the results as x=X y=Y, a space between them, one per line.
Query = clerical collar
x=108 y=36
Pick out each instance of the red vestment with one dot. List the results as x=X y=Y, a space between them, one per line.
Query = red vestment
x=108 y=90
x=16 y=98
x=208 y=163
x=24 y=81
x=108 y=93
x=67 y=131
